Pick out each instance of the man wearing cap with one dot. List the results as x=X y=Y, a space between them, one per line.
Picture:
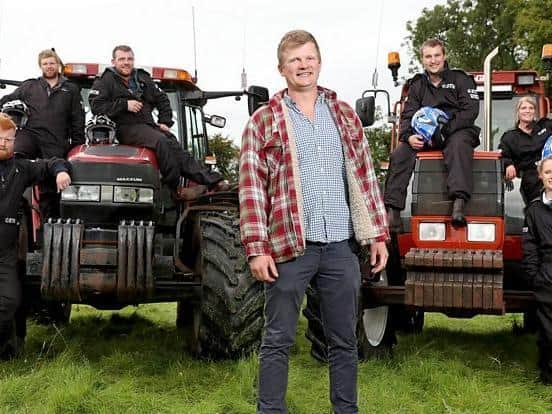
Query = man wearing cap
x=453 y=92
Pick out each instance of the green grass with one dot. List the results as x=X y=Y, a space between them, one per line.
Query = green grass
x=133 y=361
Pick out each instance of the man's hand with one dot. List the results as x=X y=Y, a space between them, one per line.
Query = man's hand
x=263 y=268
x=164 y=128
x=134 y=106
x=378 y=256
x=62 y=181
x=416 y=142
x=510 y=172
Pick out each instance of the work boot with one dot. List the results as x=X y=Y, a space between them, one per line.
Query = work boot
x=394 y=219
x=190 y=193
x=458 y=218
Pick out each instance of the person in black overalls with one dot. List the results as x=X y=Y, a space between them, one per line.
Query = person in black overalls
x=537 y=263
x=55 y=120
x=16 y=175
x=453 y=92
x=521 y=148
x=128 y=96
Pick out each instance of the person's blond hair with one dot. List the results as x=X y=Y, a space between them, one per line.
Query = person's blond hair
x=524 y=99
x=48 y=53
x=294 y=39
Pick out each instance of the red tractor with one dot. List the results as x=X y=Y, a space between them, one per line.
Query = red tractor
x=124 y=239
x=433 y=266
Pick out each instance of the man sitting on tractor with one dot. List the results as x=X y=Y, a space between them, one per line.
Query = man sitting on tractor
x=128 y=96
x=422 y=127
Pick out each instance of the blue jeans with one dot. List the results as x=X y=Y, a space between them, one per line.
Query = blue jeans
x=334 y=270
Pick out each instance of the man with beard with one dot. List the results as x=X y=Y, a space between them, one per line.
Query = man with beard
x=55 y=123
x=128 y=96
x=15 y=176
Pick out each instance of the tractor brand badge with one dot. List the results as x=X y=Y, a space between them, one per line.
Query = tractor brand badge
x=129 y=179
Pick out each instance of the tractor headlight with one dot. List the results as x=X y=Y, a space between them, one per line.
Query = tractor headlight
x=81 y=193
x=132 y=195
x=481 y=232
x=432 y=231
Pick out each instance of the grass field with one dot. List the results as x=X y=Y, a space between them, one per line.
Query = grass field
x=133 y=361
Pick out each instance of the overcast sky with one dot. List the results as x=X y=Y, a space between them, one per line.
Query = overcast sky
x=230 y=34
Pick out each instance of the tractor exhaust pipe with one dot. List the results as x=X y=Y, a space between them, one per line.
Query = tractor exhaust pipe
x=488 y=96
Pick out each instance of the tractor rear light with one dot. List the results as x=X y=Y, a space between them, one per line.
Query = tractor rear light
x=81 y=193
x=481 y=232
x=132 y=195
x=432 y=231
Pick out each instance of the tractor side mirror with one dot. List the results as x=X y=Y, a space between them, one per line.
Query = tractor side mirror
x=366 y=109
x=256 y=97
x=215 y=120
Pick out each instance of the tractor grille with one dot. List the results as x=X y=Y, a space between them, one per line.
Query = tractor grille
x=429 y=189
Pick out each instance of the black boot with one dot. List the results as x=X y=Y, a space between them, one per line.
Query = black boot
x=458 y=218
x=394 y=219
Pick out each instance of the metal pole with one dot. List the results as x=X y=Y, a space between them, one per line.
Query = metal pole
x=488 y=96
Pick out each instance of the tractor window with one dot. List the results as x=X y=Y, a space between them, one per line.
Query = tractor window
x=195 y=132
x=503 y=117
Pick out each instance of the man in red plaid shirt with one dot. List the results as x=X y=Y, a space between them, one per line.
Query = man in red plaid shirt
x=308 y=198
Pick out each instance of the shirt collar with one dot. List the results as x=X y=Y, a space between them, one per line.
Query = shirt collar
x=545 y=200
x=321 y=99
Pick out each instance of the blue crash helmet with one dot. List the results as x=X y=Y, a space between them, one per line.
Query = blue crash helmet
x=426 y=120
x=547 y=149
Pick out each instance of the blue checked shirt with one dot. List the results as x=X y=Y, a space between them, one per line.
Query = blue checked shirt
x=323 y=177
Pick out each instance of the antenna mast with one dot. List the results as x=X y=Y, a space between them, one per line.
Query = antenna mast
x=195 y=47
x=244 y=73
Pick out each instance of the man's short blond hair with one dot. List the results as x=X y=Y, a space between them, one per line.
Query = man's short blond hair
x=294 y=39
x=6 y=123
x=48 y=53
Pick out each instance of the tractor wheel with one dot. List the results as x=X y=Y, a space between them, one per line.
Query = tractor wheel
x=231 y=317
x=375 y=328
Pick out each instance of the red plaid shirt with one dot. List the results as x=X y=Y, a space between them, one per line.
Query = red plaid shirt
x=270 y=222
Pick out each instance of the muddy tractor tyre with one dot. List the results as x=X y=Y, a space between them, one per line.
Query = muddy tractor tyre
x=230 y=315
x=375 y=328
